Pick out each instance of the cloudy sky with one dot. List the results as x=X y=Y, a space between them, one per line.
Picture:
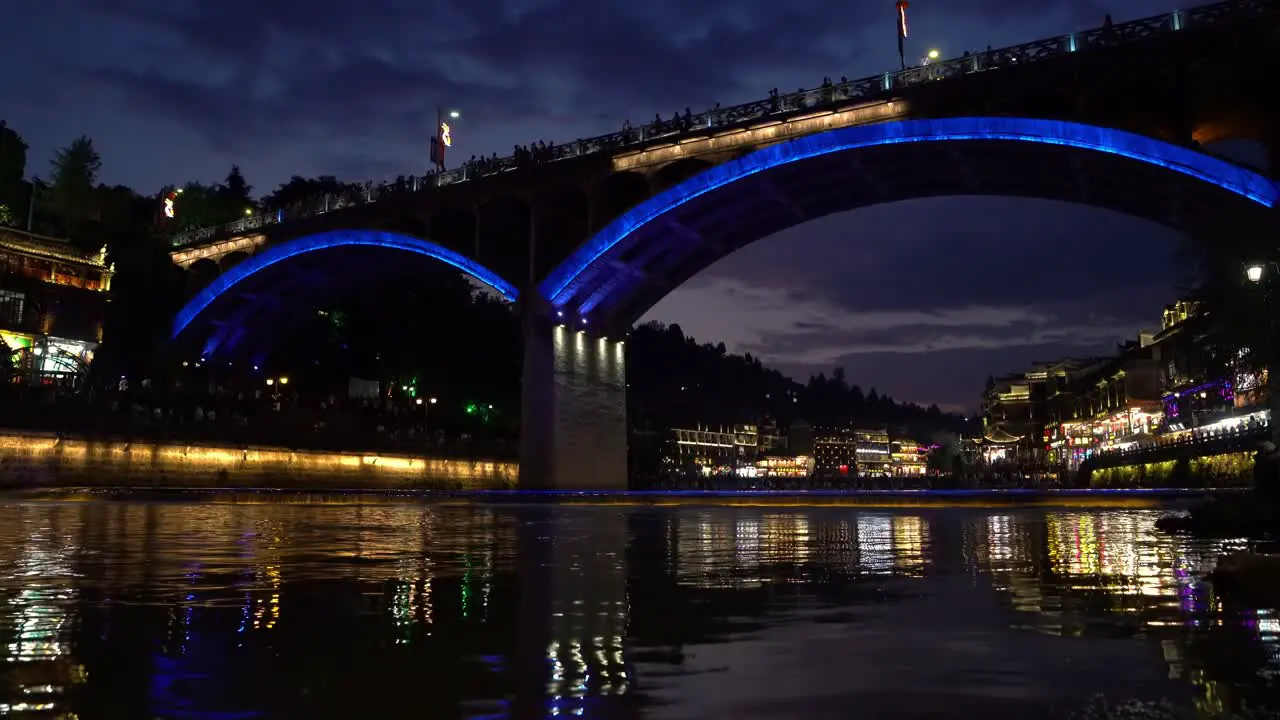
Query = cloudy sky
x=921 y=299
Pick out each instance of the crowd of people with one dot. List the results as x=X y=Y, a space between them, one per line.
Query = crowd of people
x=541 y=152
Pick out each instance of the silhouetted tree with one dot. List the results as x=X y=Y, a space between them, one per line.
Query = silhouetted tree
x=13 y=168
x=73 y=176
x=236 y=191
x=198 y=206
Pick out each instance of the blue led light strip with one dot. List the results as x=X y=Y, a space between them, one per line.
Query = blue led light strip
x=559 y=286
x=335 y=239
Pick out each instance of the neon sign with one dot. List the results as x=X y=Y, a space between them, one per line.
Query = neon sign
x=446 y=135
x=168 y=207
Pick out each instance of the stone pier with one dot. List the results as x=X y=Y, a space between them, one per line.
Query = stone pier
x=573 y=433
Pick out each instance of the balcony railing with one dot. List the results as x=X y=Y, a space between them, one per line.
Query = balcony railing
x=863 y=90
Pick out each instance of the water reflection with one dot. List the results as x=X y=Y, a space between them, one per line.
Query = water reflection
x=135 y=609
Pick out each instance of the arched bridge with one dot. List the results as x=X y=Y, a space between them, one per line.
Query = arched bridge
x=591 y=256
x=1189 y=76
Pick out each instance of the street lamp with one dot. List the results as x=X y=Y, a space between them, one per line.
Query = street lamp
x=426 y=411
x=934 y=54
x=455 y=114
x=1254 y=273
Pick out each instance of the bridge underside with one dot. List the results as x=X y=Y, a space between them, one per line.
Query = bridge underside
x=249 y=320
x=664 y=252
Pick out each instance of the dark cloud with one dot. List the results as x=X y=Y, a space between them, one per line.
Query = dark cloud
x=923 y=299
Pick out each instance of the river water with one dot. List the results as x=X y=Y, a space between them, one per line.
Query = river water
x=136 y=609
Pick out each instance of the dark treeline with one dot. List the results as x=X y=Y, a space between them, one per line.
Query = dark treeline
x=436 y=332
x=677 y=382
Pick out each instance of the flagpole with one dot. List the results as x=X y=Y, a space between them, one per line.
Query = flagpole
x=31 y=205
x=900 y=19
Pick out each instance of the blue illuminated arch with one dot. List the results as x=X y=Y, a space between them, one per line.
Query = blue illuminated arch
x=335 y=239
x=559 y=286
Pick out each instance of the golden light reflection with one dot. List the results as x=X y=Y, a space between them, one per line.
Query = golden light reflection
x=909 y=541
x=41 y=581
x=107 y=462
x=727 y=550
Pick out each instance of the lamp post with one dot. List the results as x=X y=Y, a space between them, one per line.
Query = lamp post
x=31 y=202
x=1257 y=273
x=426 y=412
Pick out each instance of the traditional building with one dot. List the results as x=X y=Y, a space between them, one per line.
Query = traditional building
x=834 y=450
x=1016 y=409
x=873 y=453
x=909 y=458
x=1199 y=382
x=725 y=449
x=52 y=304
x=1111 y=403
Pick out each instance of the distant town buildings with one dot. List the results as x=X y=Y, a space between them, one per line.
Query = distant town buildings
x=1156 y=388
x=721 y=448
x=762 y=451
x=52 y=303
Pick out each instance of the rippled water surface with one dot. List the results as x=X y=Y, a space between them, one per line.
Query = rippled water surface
x=120 y=609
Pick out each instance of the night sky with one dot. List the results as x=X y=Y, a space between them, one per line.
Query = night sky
x=922 y=299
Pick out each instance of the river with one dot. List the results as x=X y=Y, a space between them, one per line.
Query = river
x=126 y=608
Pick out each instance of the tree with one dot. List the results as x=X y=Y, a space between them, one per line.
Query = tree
x=200 y=206
x=1241 y=308
x=235 y=194
x=74 y=175
x=13 y=169
x=301 y=191
x=235 y=186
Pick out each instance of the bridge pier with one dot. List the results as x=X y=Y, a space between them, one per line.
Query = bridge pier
x=573 y=429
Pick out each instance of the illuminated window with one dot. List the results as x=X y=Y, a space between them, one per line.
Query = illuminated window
x=11 y=307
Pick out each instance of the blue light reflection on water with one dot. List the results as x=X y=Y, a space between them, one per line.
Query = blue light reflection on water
x=368 y=611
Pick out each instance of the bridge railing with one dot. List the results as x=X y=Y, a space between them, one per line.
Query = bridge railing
x=864 y=89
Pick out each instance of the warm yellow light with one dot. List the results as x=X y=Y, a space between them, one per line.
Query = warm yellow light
x=248 y=211
x=933 y=54
x=284 y=381
x=189 y=463
x=1254 y=273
